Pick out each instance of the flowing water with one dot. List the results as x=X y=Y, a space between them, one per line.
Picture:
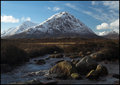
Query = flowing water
x=23 y=72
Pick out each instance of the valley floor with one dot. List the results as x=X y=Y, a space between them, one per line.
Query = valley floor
x=21 y=56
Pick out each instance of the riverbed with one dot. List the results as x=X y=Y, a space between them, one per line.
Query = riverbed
x=22 y=73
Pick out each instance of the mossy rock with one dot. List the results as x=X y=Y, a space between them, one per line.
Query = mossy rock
x=92 y=75
x=64 y=68
x=85 y=65
x=76 y=76
x=101 y=70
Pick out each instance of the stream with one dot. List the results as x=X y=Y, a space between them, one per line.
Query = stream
x=24 y=72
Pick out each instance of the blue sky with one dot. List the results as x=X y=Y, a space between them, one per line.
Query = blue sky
x=100 y=16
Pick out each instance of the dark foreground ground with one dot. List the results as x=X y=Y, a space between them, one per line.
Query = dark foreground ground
x=16 y=52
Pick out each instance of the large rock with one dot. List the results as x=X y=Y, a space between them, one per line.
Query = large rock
x=76 y=76
x=92 y=75
x=56 y=56
x=85 y=65
x=105 y=54
x=99 y=71
x=74 y=61
x=64 y=69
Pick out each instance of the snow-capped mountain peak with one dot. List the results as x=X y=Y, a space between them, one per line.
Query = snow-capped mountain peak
x=62 y=22
x=24 y=26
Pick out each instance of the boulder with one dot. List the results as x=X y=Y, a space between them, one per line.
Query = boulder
x=56 y=56
x=105 y=54
x=74 y=61
x=99 y=71
x=76 y=76
x=40 y=62
x=85 y=65
x=92 y=75
x=64 y=69
x=98 y=56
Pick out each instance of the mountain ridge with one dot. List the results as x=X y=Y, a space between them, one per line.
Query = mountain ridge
x=61 y=24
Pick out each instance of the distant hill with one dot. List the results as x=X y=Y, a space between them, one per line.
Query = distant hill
x=112 y=35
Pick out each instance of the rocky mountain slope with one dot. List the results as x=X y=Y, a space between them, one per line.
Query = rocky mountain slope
x=19 y=29
x=112 y=35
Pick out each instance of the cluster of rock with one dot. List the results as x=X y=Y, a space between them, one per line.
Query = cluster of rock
x=86 y=66
x=78 y=69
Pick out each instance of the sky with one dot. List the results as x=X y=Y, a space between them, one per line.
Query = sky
x=101 y=16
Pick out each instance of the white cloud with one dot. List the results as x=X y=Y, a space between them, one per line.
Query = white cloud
x=56 y=9
x=71 y=6
x=9 y=19
x=102 y=33
x=87 y=12
x=115 y=23
x=112 y=4
x=102 y=26
x=97 y=9
x=111 y=26
x=26 y=19
x=101 y=15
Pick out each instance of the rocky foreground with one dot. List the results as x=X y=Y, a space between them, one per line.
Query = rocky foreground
x=92 y=67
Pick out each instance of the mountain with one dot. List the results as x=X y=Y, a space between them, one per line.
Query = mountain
x=112 y=35
x=16 y=30
x=59 y=25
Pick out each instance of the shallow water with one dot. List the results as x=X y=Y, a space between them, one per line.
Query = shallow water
x=18 y=75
